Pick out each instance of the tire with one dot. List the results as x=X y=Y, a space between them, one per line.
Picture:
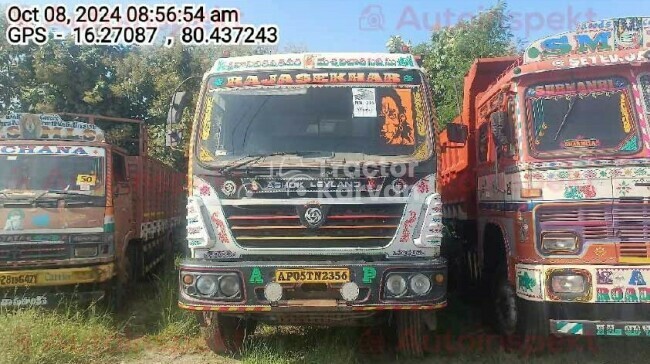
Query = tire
x=523 y=324
x=115 y=297
x=410 y=333
x=504 y=299
x=533 y=328
x=226 y=334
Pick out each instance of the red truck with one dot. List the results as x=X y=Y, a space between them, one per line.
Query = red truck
x=80 y=217
x=544 y=177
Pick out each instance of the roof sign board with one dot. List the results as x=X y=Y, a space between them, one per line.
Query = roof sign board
x=619 y=34
x=314 y=61
x=48 y=127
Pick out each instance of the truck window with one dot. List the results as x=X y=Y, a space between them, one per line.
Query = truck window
x=119 y=168
x=483 y=142
x=582 y=117
x=510 y=150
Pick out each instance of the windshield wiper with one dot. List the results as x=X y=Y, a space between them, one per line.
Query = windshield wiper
x=250 y=159
x=58 y=192
x=564 y=119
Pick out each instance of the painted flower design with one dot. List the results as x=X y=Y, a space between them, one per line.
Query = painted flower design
x=572 y=192
x=624 y=188
x=423 y=186
x=204 y=190
x=590 y=174
x=589 y=191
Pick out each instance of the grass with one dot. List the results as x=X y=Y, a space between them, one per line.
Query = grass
x=37 y=336
x=153 y=329
x=290 y=345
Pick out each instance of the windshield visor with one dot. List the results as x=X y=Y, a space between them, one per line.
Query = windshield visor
x=592 y=117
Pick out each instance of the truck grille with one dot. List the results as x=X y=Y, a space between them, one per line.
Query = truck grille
x=31 y=252
x=627 y=224
x=346 y=226
x=632 y=226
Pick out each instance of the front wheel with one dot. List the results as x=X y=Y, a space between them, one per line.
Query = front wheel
x=523 y=324
x=226 y=334
x=411 y=333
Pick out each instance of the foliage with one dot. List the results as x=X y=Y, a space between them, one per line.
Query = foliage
x=452 y=50
x=396 y=44
x=120 y=81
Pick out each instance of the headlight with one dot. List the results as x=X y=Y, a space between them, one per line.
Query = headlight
x=229 y=286
x=396 y=285
x=207 y=285
x=420 y=284
x=559 y=243
x=85 y=252
x=568 y=283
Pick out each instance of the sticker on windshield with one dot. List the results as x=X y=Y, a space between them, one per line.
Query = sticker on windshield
x=365 y=105
x=397 y=112
x=86 y=180
x=582 y=143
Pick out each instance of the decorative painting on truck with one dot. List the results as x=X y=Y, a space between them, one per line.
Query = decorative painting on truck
x=31 y=126
x=592 y=37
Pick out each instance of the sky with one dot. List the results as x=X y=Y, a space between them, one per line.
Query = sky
x=365 y=25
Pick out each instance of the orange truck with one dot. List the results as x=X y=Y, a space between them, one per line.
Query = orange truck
x=545 y=177
x=80 y=217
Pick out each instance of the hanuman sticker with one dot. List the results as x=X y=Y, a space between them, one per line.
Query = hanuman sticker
x=396 y=109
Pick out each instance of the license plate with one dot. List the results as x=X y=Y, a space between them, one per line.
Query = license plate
x=333 y=275
x=17 y=279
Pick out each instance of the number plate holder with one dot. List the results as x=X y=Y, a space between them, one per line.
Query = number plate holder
x=313 y=275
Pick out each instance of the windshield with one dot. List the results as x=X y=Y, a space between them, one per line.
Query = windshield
x=592 y=117
x=380 y=114
x=50 y=172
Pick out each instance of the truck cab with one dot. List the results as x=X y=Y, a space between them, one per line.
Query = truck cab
x=56 y=229
x=313 y=197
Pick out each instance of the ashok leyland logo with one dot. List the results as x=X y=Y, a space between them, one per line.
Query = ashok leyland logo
x=312 y=216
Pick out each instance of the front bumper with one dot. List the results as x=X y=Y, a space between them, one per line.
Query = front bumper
x=369 y=276
x=50 y=287
x=601 y=328
x=615 y=300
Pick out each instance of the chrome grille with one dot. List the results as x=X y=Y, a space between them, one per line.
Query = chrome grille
x=627 y=224
x=346 y=226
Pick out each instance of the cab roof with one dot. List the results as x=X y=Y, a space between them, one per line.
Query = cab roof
x=296 y=61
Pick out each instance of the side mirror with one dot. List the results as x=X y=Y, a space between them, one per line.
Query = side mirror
x=499 y=124
x=176 y=107
x=456 y=133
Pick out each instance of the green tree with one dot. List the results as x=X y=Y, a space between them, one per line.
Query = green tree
x=452 y=50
